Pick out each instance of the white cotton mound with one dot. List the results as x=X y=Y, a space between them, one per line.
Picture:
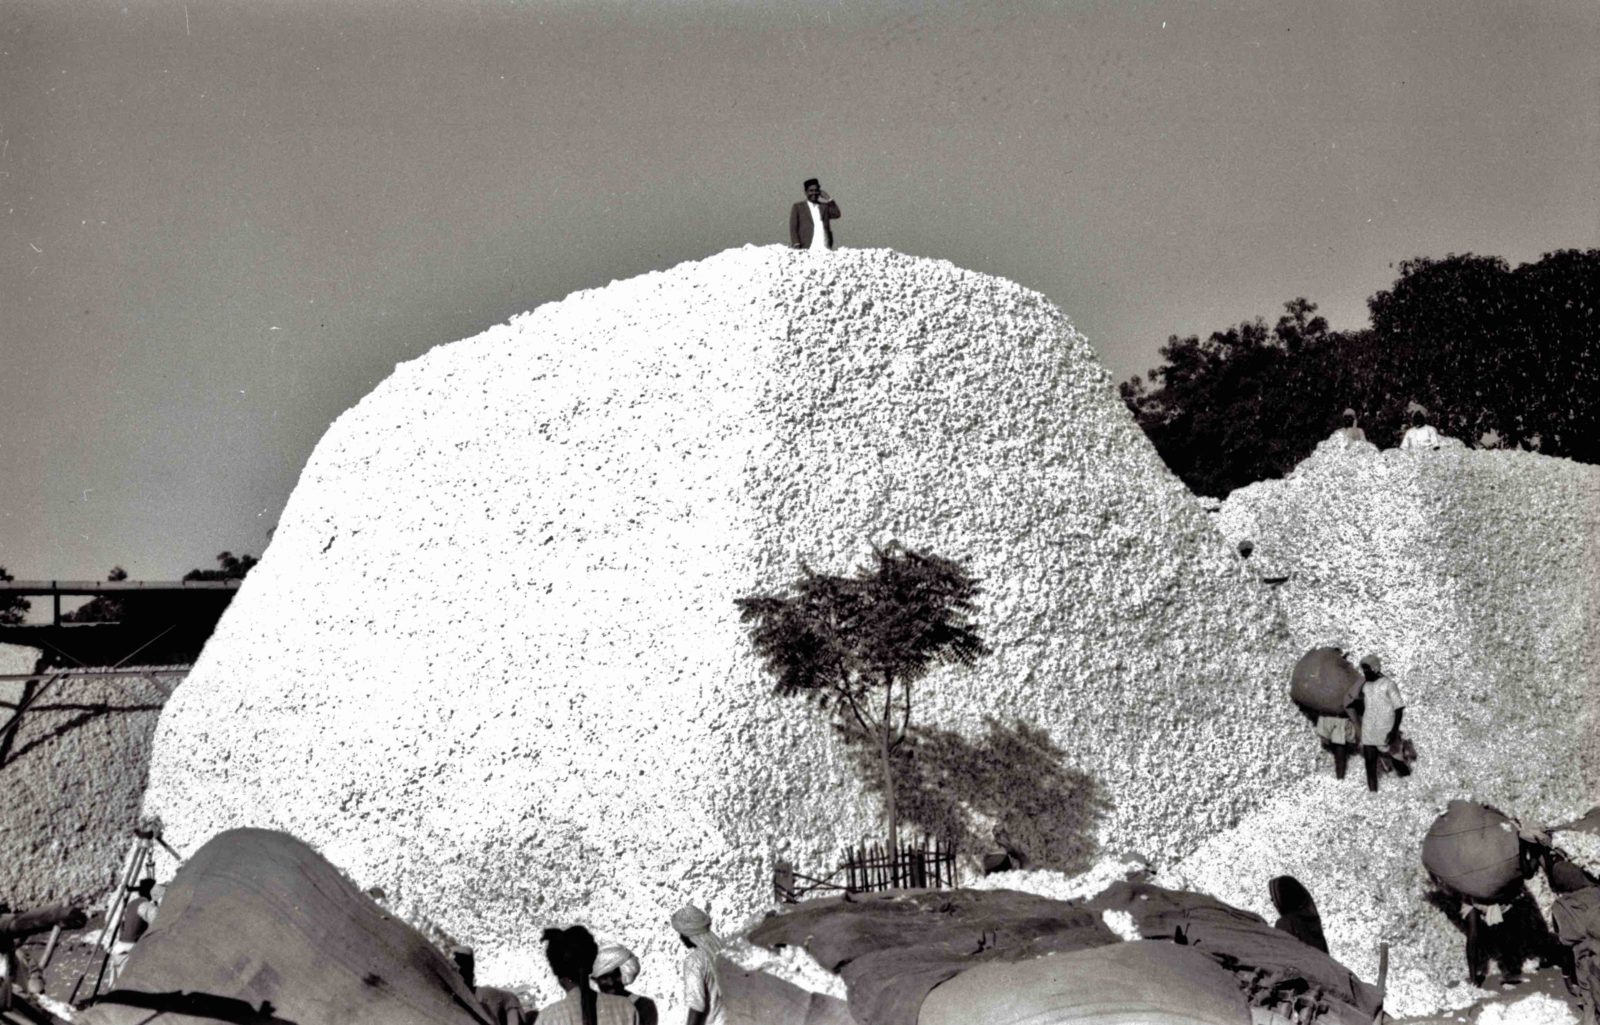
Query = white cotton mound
x=791 y=964
x=1538 y=1009
x=1059 y=885
x=491 y=661
x=1475 y=576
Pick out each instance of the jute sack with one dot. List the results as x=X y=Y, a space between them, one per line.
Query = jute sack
x=1145 y=982
x=1324 y=681
x=259 y=928
x=756 y=998
x=1472 y=849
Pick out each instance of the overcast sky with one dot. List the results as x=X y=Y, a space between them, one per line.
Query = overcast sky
x=222 y=223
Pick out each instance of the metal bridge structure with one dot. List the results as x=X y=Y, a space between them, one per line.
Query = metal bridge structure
x=166 y=625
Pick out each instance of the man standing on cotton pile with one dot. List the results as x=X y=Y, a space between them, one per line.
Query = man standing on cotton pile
x=1380 y=719
x=811 y=221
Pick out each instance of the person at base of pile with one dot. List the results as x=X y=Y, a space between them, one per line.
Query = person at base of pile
x=503 y=1006
x=1339 y=734
x=1577 y=893
x=16 y=927
x=571 y=953
x=702 y=991
x=1507 y=926
x=137 y=917
x=615 y=968
x=1576 y=917
x=811 y=220
x=1380 y=719
x=1297 y=911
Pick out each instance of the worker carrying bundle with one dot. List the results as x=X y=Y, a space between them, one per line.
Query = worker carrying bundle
x=1576 y=916
x=1479 y=859
x=1383 y=746
x=1326 y=689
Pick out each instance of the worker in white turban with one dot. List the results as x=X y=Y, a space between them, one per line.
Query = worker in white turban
x=616 y=959
x=702 y=991
x=615 y=968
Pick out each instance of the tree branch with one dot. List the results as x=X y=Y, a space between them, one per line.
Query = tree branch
x=867 y=726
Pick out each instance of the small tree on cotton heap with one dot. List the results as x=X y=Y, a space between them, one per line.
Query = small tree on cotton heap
x=856 y=645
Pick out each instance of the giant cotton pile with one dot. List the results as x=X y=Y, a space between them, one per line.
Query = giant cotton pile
x=492 y=662
x=1475 y=575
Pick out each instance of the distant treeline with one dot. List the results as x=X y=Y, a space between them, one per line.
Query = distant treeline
x=1494 y=356
x=133 y=606
x=107 y=609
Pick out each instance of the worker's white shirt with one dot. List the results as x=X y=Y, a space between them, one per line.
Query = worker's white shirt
x=1425 y=436
x=701 y=990
x=1382 y=699
x=819 y=229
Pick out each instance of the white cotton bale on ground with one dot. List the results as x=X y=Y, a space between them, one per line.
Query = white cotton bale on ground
x=492 y=663
x=1475 y=575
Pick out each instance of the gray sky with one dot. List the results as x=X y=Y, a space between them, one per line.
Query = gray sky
x=221 y=223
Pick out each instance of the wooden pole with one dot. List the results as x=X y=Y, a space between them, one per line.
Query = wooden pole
x=118 y=907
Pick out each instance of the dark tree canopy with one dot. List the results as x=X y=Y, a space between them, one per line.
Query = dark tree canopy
x=135 y=607
x=229 y=567
x=855 y=645
x=12 y=606
x=199 y=610
x=1240 y=405
x=1491 y=355
x=102 y=608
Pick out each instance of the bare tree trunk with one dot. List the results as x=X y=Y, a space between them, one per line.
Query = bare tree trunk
x=888 y=769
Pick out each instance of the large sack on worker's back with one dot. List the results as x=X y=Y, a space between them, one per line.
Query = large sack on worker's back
x=1243 y=943
x=1141 y=983
x=756 y=998
x=1472 y=849
x=258 y=927
x=1324 y=681
x=892 y=948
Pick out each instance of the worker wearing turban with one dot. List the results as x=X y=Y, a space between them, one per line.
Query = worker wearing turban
x=615 y=968
x=702 y=991
x=617 y=959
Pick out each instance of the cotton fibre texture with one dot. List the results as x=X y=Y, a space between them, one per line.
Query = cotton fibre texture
x=492 y=663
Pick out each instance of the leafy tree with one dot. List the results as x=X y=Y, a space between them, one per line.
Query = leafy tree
x=1246 y=403
x=230 y=567
x=1485 y=350
x=1559 y=311
x=856 y=645
x=132 y=606
x=102 y=608
x=13 y=606
x=1447 y=340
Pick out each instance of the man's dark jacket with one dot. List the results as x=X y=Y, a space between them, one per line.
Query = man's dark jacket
x=801 y=228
